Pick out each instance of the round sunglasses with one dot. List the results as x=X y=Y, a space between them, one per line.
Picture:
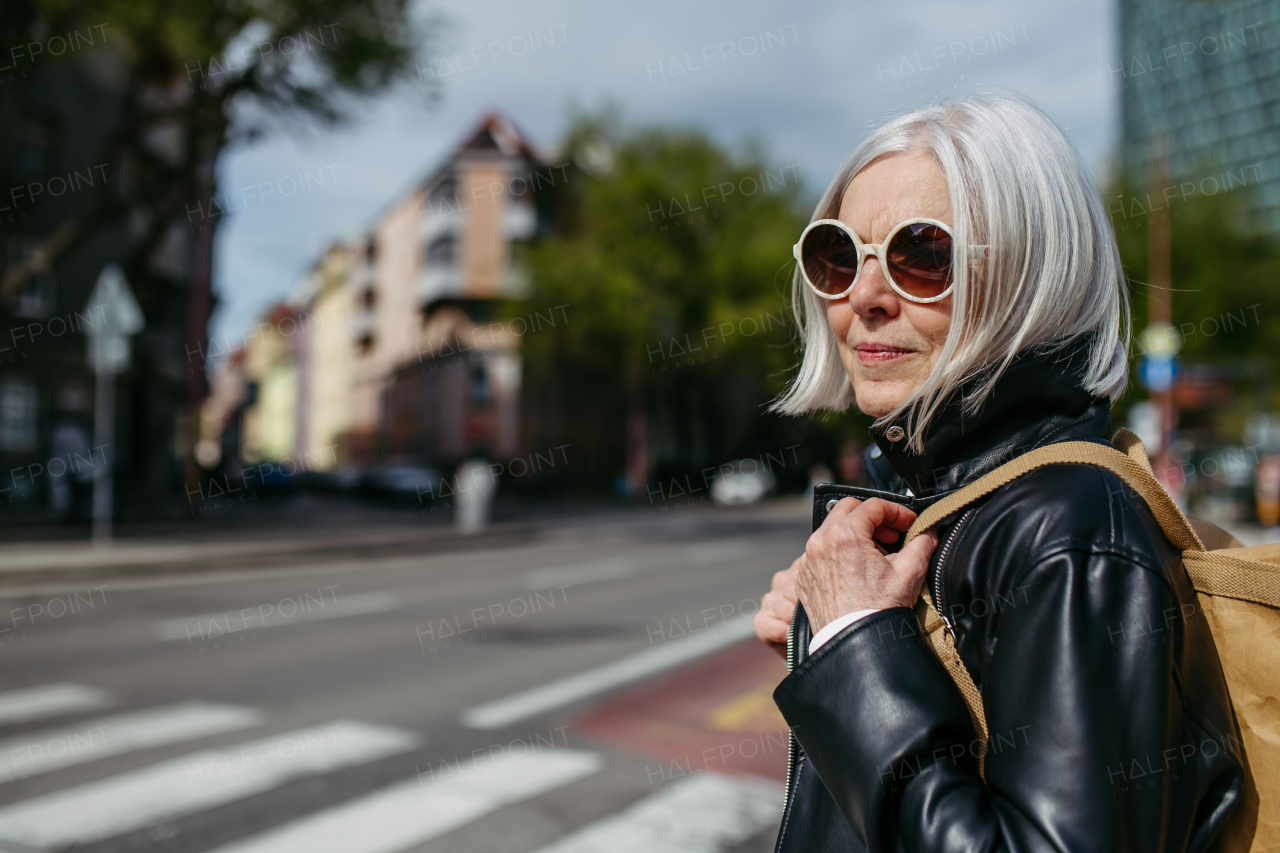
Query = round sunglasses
x=915 y=257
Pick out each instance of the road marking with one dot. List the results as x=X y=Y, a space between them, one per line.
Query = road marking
x=210 y=625
x=725 y=551
x=554 y=577
x=53 y=749
x=49 y=700
x=493 y=715
x=361 y=567
x=411 y=812
x=702 y=814
x=194 y=782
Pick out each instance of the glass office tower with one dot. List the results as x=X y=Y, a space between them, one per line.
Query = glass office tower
x=1205 y=77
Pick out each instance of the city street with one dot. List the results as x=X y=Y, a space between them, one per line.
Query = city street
x=405 y=406
x=593 y=684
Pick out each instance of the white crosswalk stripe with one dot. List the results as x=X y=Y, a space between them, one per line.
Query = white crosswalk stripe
x=547 y=697
x=66 y=746
x=574 y=574
x=50 y=700
x=411 y=812
x=702 y=814
x=193 y=783
x=209 y=626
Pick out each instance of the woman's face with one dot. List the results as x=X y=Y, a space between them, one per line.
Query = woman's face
x=888 y=344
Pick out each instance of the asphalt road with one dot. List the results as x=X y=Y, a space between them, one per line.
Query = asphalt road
x=518 y=699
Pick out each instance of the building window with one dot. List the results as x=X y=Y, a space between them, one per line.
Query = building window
x=481 y=389
x=36 y=298
x=442 y=252
x=19 y=415
x=443 y=193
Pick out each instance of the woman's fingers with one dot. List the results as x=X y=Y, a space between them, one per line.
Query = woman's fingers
x=785 y=580
x=778 y=606
x=847 y=567
x=841 y=509
x=772 y=621
x=770 y=628
x=914 y=556
x=887 y=535
x=876 y=515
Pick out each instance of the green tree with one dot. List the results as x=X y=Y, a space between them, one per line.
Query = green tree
x=154 y=93
x=1223 y=299
x=194 y=77
x=673 y=256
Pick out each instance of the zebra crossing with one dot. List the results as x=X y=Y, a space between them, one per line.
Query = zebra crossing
x=702 y=814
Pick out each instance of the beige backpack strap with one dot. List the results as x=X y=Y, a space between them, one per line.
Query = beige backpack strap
x=1127 y=460
x=1131 y=466
x=945 y=647
x=1224 y=574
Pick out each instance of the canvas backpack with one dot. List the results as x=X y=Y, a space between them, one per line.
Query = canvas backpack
x=1237 y=588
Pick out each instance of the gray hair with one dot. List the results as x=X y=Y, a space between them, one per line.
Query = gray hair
x=1054 y=275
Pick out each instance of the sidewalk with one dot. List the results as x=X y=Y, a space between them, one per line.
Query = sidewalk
x=48 y=561
x=1252 y=534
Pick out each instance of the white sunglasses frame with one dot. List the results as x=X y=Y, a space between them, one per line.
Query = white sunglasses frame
x=866 y=250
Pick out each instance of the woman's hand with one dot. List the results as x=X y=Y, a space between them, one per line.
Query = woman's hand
x=773 y=620
x=845 y=568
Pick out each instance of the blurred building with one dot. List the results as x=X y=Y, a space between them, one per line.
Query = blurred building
x=391 y=349
x=327 y=346
x=436 y=377
x=64 y=173
x=1205 y=78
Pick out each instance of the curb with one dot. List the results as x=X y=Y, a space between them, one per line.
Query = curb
x=319 y=552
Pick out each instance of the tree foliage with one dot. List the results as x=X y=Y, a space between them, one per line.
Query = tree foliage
x=186 y=79
x=673 y=255
x=1224 y=275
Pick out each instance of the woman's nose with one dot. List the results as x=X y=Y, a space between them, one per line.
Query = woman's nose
x=872 y=293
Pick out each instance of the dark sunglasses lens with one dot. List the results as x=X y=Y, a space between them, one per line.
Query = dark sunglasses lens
x=920 y=260
x=830 y=259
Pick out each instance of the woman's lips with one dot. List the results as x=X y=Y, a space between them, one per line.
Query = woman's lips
x=880 y=353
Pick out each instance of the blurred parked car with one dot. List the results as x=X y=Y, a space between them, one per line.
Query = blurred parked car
x=344 y=478
x=746 y=482
x=403 y=482
x=1222 y=480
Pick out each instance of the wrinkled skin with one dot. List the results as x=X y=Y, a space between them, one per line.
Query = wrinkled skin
x=888 y=345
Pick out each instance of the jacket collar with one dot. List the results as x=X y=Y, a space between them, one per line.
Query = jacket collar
x=1038 y=400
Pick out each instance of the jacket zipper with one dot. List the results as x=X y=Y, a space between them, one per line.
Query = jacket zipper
x=793 y=753
x=938 y=601
x=793 y=749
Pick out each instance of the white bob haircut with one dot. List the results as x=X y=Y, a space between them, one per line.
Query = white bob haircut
x=1054 y=276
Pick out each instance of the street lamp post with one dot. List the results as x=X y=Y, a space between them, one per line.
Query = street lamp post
x=1159 y=340
x=117 y=317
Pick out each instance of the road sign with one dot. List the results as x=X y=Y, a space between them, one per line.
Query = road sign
x=114 y=315
x=1157 y=372
x=1160 y=339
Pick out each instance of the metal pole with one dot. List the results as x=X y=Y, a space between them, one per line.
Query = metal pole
x=1160 y=308
x=103 y=427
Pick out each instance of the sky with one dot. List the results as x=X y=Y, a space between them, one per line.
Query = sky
x=807 y=83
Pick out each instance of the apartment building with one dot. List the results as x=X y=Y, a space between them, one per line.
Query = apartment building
x=392 y=348
x=436 y=376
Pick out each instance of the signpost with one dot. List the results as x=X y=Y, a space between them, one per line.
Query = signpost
x=118 y=317
x=1159 y=367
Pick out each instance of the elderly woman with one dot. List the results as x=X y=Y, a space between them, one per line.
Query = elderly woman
x=960 y=283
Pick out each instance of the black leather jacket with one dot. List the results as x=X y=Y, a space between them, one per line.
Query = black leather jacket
x=1110 y=724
